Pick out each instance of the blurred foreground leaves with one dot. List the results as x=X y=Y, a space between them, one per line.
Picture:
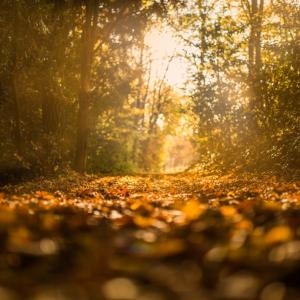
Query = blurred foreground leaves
x=150 y=238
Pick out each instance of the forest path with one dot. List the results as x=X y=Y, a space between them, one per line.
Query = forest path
x=151 y=237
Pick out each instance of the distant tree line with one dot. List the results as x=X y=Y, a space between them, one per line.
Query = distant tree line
x=76 y=88
x=73 y=88
x=246 y=81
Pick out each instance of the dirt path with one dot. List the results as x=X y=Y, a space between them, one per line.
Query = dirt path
x=151 y=238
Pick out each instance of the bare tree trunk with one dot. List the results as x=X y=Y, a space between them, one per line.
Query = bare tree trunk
x=16 y=130
x=203 y=32
x=251 y=43
x=255 y=61
x=16 y=117
x=137 y=105
x=88 y=40
x=254 y=50
x=258 y=59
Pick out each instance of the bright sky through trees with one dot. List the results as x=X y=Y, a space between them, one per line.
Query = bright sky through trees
x=100 y=86
x=166 y=51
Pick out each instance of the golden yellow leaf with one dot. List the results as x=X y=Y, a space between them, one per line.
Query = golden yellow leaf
x=143 y=221
x=245 y=225
x=228 y=211
x=141 y=205
x=193 y=209
x=278 y=234
x=136 y=205
x=231 y=194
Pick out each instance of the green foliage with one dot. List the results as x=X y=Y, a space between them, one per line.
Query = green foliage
x=246 y=105
x=247 y=115
x=112 y=157
x=40 y=83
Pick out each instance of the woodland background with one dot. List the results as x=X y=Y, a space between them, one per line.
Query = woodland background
x=75 y=88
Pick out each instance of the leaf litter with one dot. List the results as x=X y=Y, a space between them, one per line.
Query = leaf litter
x=153 y=237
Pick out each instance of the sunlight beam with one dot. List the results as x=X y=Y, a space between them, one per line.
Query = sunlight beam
x=163 y=45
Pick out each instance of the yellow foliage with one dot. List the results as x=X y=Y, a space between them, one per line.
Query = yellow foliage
x=193 y=209
x=278 y=234
x=228 y=211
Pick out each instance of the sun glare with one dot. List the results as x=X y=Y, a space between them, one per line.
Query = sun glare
x=166 y=53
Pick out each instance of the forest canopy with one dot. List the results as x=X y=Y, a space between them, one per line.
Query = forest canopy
x=149 y=86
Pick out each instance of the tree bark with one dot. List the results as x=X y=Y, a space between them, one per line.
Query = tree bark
x=203 y=32
x=16 y=117
x=88 y=40
x=258 y=59
x=251 y=43
x=137 y=105
x=254 y=52
x=16 y=130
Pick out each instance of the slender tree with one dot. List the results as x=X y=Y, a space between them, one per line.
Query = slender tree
x=13 y=82
x=256 y=10
x=88 y=42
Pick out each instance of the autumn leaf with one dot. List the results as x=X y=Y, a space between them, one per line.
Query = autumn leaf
x=193 y=209
x=278 y=234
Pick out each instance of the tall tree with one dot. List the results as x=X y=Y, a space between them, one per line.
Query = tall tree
x=14 y=79
x=256 y=10
x=88 y=42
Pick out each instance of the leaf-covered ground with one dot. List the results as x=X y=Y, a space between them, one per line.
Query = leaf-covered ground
x=187 y=236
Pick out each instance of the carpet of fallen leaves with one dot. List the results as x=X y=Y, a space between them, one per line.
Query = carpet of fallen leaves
x=153 y=237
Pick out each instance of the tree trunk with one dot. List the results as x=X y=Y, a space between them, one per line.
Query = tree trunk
x=16 y=117
x=203 y=32
x=16 y=130
x=88 y=40
x=254 y=50
x=251 y=43
x=258 y=58
x=255 y=61
x=138 y=105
